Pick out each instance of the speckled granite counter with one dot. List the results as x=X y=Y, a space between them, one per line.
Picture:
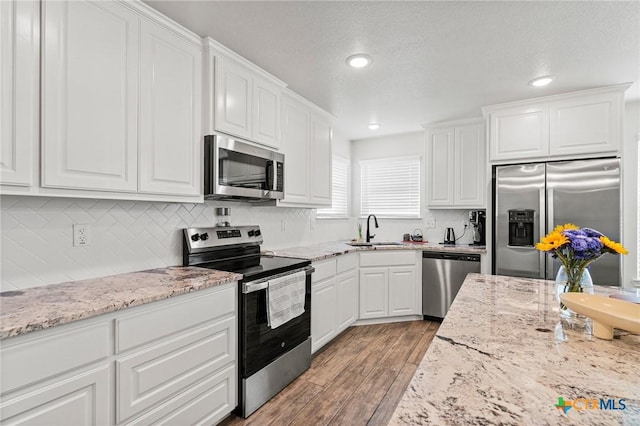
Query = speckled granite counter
x=503 y=356
x=326 y=250
x=38 y=308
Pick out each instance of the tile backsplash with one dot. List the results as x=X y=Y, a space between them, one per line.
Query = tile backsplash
x=37 y=236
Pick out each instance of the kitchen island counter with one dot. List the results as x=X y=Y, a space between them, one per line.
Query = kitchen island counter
x=32 y=309
x=504 y=356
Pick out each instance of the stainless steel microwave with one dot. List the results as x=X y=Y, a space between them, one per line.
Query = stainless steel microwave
x=236 y=170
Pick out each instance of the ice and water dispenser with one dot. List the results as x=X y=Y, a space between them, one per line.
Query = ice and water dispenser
x=521 y=228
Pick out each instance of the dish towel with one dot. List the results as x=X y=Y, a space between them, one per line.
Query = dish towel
x=285 y=298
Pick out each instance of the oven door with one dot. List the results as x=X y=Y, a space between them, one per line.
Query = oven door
x=259 y=344
x=237 y=170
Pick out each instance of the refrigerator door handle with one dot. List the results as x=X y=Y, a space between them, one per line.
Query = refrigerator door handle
x=550 y=226
x=541 y=230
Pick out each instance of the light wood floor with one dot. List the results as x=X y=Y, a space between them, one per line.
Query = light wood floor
x=357 y=379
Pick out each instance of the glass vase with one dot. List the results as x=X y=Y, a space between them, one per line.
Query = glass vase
x=576 y=280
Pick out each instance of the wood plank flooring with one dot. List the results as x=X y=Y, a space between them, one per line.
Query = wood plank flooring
x=357 y=379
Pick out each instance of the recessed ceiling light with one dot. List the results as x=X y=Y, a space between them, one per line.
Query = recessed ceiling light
x=542 y=81
x=360 y=60
x=374 y=126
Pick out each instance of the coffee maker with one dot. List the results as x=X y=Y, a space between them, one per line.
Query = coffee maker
x=477 y=218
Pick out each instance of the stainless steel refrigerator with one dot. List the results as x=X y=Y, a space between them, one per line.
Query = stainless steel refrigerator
x=531 y=199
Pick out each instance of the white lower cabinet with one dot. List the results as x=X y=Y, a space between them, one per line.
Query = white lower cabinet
x=347 y=289
x=334 y=298
x=390 y=284
x=167 y=362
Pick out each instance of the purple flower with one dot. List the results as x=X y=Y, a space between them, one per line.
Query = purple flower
x=592 y=232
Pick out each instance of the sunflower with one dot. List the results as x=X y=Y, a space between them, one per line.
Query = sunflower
x=553 y=240
x=565 y=227
x=613 y=246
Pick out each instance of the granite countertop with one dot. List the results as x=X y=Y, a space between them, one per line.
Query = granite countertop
x=326 y=250
x=33 y=309
x=503 y=355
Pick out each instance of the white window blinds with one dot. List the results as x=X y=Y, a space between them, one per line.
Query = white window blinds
x=390 y=187
x=339 y=190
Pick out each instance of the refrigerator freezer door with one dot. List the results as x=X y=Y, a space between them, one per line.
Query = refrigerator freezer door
x=587 y=193
x=519 y=187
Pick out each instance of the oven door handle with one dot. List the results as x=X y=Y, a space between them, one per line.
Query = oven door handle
x=263 y=283
x=255 y=286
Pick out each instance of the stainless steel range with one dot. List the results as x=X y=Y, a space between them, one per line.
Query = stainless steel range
x=269 y=358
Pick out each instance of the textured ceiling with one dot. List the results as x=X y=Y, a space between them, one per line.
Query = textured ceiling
x=432 y=61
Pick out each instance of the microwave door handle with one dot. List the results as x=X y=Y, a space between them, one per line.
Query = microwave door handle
x=271 y=175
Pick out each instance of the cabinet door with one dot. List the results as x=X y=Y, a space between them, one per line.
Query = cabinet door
x=170 y=113
x=584 y=125
x=374 y=284
x=295 y=142
x=323 y=313
x=81 y=400
x=19 y=90
x=320 y=162
x=440 y=163
x=470 y=167
x=521 y=132
x=266 y=113
x=233 y=98
x=89 y=95
x=402 y=289
x=347 y=299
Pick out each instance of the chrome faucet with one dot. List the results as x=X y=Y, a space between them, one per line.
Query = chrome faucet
x=375 y=219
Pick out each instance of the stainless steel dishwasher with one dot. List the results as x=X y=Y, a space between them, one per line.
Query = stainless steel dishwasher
x=442 y=277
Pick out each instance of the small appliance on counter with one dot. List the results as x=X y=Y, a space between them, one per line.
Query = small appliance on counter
x=478 y=220
x=449 y=236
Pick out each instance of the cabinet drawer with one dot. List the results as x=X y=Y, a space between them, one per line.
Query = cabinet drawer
x=347 y=262
x=148 y=377
x=207 y=402
x=43 y=357
x=324 y=269
x=170 y=317
x=388 y=258
x=78 y=400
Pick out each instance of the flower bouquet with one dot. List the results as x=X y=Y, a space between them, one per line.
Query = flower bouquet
x=576 y=248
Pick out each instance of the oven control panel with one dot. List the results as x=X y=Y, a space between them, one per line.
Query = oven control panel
x=204 y=239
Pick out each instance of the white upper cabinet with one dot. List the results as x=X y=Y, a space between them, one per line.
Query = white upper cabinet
x=245 y=99
x=89 y=95
x=572 y=124
x=440 y=163
x=306 y=143
x=121 y=103
x=295 y=131
x=170 y=112
x=587 y=124
x=520 y=133
x=266 y=112
x=233 y=98
x=320 y=164
x=19 y=90
x=456 y=165
x=470 y=166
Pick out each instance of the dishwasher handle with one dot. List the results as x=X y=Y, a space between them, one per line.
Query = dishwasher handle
x=451 y=256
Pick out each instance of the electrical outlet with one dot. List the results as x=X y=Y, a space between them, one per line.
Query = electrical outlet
x=81 y=235
x=430 y=223
x=283 y=225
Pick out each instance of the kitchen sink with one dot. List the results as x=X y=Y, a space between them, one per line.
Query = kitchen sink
x=377 y=243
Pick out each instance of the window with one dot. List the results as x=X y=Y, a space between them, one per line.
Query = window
x=390 y=187
x=340 y=184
